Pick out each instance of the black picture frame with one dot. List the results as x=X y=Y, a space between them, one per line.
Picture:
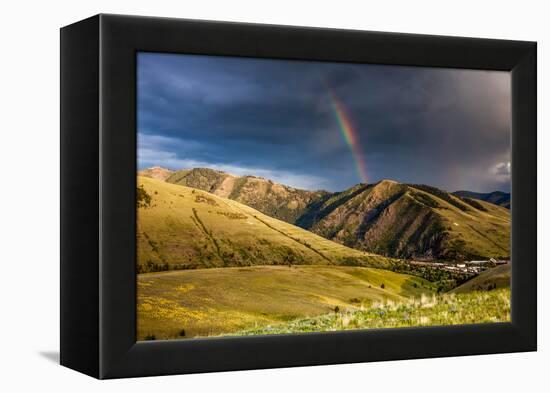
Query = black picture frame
x=98 y=185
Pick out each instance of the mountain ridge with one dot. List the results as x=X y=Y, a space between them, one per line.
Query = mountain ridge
x=388 y=218
x=417 y=221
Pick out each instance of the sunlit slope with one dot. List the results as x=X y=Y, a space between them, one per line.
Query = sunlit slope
x=185 y=228
x=204 y=302
x=410 y=221
x=497 y=277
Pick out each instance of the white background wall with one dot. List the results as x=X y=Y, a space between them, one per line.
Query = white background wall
x=29 y=194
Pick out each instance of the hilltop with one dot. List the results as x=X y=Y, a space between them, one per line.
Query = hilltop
x=156 y=172
x=496 y=197
x=184 y=228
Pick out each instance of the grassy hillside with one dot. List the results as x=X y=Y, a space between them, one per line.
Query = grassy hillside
x=473 y=307
x=276 y=200
x=185 y=228
x=497 y=277
x=497 y=197
x=207 y=302
x=388 y=218
x=408 y=221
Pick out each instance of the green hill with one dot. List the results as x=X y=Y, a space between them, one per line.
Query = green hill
x=206 y=302
x=185 y=228
x=497 y=277
x=409 y=221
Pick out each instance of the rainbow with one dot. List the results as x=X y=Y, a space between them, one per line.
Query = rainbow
x=349 y=134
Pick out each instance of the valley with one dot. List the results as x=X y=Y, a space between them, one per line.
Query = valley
x=220 y=254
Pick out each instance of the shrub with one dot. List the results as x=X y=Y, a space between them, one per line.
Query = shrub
x=182 y=333
x=205 y=199
x=143 y=199
x=382 y=286
x=150 y=337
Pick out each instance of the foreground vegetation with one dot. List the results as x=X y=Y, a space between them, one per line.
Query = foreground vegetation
x=206 y=302
x=451 y=309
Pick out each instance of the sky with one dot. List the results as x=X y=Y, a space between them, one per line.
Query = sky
x=325 y=125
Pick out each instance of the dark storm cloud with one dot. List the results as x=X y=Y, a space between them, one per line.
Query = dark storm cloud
x=273 y=118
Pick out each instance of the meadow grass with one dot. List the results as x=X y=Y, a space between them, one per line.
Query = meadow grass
x=451 y=309
x=207 y=302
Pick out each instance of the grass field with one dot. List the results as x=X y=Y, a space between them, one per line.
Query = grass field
x=452 y=309
x=206 y=302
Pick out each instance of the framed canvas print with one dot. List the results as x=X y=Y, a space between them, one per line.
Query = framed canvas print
x=239 y=196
